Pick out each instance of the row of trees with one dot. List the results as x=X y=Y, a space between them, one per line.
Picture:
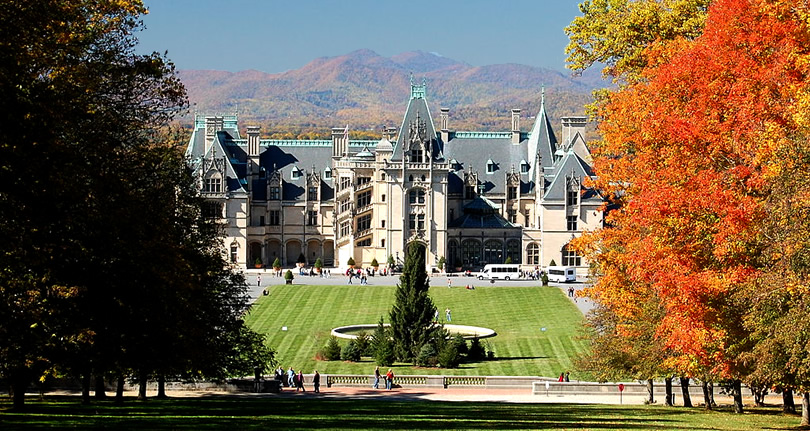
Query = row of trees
x=108 y=268
x=702 y=269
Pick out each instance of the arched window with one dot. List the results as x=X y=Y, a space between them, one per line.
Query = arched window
x=493 y=251
x=513 y=250
x=533 y=254
x=570 y=257
x=471 y=252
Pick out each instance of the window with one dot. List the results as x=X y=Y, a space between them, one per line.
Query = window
x=312 y=193
x=383 y=223
x=212 y=210
x=382 y=243
x=512 y=214
x=345 y=182
x=513 y=251
x=382 y=176
x=296 y=173
x=345 y=228
x=275 y=217
x=312 y=218
x=410 y=178
x=416 y=196
x=524 y=167
x=261 y=220
x=364 y=243
x=572 y=222
x=452 y=214
x=527 y=214
x=416 y=222
x=452 y=254
x=364 y=223
x=383 y=198
x=533 y=254
x=416 y=155
x=471 y=252
x=234 y=250
x=363 y=180
x=469 y=191
x=493 y=251
x=327 y=174
x=213 y=184
x=490 y=166
x=262 y=173
x=511 y=192
x=275 y=193
x=364 y=199
x=345 y=205
x=570 y=257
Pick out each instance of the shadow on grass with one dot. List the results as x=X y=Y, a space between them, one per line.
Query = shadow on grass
x=389 y=410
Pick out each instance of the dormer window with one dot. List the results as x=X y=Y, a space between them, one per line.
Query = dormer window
x=327 y=173
x=572 y=192
x=524 y=167
x=296 y=173
x=213 y=184
x=416 y=155
x=490 y=166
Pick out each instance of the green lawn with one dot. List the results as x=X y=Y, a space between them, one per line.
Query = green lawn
x=517 y=314
x=307 y=412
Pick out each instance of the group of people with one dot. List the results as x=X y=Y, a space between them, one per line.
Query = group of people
x=293 y=380
x=359 y=274
x=563 y=377
x=447 y=316
x=389 y=379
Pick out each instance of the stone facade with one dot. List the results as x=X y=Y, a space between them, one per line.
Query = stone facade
x=471 y=197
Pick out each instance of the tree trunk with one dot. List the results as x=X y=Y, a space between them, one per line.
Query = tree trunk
x=86 y=388
x=18 y=387
x=100 y=388
x=707 y=399
x=788 y=406
x=805 y=409
x=687 y=400
x=119 y=390
x=142 y=386
x=711 y=394
x=668 y=388
x=161 y=386
x=651 y=399
x=736 y=393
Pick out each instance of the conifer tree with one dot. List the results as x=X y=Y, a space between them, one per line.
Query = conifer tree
x=412 y=313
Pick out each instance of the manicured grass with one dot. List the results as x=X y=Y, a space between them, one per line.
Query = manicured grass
x=307 y=412
x=516 y=313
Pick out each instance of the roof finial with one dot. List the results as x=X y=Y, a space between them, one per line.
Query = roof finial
x=543 y=94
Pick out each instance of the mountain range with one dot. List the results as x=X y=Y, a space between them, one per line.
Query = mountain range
x=369 y=91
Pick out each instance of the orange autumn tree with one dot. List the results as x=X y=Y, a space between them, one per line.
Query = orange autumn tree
x=683 y=154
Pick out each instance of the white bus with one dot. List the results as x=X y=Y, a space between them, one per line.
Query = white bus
x=561 y=274
x=500 y=272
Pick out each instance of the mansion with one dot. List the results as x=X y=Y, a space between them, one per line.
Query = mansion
x=471 y=197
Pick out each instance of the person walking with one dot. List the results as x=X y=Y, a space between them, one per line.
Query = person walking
x=562 y=377
x=316 y=382
x=376 y=378
x=258 y=280
x=389 y=379
x=447 y=315
x=291 y=378
x=449 y=284
x=299 y=381
x=350 y=273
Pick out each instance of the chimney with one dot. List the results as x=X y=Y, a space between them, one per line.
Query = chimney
x=212 y=126
x=445 y=119
x=570 y=127
x=516 y=126
x=253 y=141
x=340 y=141
x=390 y=134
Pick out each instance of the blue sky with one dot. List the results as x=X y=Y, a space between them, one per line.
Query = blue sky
x=274 y=36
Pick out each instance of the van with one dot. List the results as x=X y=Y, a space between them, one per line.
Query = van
x=561 y=274
x=500 y=272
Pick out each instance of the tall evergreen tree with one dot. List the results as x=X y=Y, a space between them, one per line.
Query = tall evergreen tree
x=412 y=314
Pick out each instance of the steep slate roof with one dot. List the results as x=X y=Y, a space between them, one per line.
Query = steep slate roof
x=570 y=164
x=481 y=213
x=417 y=107
x=542 y=141
x=473 y=150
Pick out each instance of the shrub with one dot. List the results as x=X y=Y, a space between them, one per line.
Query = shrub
x=461 y=344
x=350 y=352
x=427 y=356
x=441 y=263
x=277 y=263
x=390 y=260
x=552 y=263
x=544 y=278
x=508 y=260
x=363 y=342
x=288 y=275
x=476 y=351
x=318 y=263
x=384 y=353
x=490 y=352
x=449 y=357
x=331 y=351
x=350 y=262
x=301 y=259
x=374 y=263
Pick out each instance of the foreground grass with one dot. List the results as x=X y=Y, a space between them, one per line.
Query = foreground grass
x=517 y=314
x=308 y=412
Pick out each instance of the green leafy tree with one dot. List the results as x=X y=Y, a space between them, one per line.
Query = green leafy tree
x=412 y=313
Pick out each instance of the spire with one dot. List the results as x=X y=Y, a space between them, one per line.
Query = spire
x=542 y=94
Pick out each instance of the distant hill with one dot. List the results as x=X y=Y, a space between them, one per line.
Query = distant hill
x=368 y=91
